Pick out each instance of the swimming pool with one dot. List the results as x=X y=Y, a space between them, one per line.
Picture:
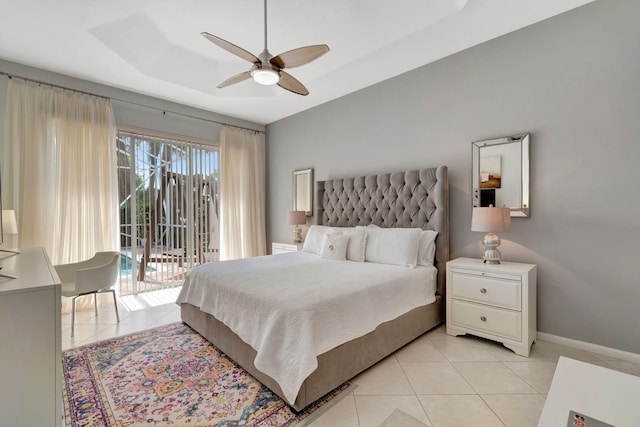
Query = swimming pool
x=125 y=264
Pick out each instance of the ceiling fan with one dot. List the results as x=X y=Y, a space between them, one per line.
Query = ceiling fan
x=268 y=69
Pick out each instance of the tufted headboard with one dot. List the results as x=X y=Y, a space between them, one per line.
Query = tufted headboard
x=418 y=198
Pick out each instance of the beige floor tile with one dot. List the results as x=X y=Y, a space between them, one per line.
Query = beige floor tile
x=164 y=308
x=384 y=378
x=420 y=350
x=602 y=356
x=516 y=410
x=143 y=316
x=373 y=410
x=436 y=378
x=456 y=411
x=342 y=414
x=537 y=374
x=90 y=328
x=69 y=344
x=552 y=351
x=104 y=317
x=461 y=349
x=492 y=378
x=440 y=331
x=82 y=332
x=119 y=330
x=144 y=300
x=503 y=354
x=171 y=317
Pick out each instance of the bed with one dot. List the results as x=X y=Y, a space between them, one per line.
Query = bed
x=408 y=200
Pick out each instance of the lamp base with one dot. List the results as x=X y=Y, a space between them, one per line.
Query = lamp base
x=297 y=234
x=491 y=254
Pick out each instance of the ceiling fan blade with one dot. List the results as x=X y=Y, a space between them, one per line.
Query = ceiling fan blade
x=300 y=56
x=235 y=79
x=232 y=48
x=290 y=83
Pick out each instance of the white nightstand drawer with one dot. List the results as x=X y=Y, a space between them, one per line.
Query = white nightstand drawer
x=283 y=248
x=488 y=290
x=495 y=321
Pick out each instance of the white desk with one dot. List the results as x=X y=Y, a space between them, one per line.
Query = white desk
x=604 y=394
x=30 y=348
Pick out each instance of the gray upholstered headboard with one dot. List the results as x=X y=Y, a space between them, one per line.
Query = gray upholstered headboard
x=418 y=198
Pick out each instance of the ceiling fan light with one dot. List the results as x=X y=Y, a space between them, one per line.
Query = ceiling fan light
x=265 y=76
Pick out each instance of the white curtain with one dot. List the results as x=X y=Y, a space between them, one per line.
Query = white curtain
x=242 y=193
x=63 y=171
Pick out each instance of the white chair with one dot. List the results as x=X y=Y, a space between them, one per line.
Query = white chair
x=93 y=276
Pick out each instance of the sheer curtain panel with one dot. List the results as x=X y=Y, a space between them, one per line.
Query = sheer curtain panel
x=242 y=198
x=63 y=171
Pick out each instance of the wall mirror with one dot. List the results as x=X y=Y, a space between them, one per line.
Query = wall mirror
x=303 y=191
x=501 y=173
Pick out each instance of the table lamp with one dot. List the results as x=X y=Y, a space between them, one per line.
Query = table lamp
x=490 y=220
x=296 y=218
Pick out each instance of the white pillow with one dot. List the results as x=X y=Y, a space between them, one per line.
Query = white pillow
x=397 y=246
x=313 y=241
x=427 y=248
x=357 y=244
x=334 y=245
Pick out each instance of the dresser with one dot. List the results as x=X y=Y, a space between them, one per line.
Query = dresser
x=30 y=347
x=493 y=301
x=281 y=248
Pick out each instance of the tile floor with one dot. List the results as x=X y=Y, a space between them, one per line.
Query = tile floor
x=441 y=380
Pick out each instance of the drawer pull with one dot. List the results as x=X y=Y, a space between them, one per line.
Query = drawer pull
x=483 y=291
x=483 y=318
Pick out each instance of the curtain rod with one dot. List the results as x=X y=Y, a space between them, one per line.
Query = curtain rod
x=164 y=110
x=26 y=79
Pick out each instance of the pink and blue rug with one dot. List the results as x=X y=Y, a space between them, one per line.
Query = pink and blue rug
x=168 y=376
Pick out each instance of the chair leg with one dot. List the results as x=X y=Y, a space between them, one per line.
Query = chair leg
x=73 y=315
x=95 y=302
x=115 y=303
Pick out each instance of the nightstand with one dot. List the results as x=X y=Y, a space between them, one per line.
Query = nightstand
x=281 y=248
x=493 y=301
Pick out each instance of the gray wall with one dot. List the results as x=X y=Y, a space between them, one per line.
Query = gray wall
x=573 y=81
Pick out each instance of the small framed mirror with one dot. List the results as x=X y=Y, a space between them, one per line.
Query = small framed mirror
x=303 y=191
x=500 y=173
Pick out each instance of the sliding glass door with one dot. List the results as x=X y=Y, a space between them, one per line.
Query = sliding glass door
x=168 y=210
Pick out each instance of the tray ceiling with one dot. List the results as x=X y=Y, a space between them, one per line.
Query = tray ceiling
x=154 y=47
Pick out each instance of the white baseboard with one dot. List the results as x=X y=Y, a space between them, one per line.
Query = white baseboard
x=594 y=348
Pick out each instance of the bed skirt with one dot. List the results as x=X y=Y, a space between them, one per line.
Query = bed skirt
x=335 y=366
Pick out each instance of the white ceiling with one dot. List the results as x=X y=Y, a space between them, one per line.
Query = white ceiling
x=154 y=47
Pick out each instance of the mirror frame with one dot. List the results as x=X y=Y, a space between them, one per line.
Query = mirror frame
x=524 y=139
x=303 y=177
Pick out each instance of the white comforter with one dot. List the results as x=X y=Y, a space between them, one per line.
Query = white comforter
x=293 y=307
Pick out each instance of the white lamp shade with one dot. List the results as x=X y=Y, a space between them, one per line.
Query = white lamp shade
x=297 y=217
x=9 y=223
x=491 y=219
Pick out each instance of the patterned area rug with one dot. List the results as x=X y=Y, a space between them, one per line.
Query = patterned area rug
x=169 y=376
